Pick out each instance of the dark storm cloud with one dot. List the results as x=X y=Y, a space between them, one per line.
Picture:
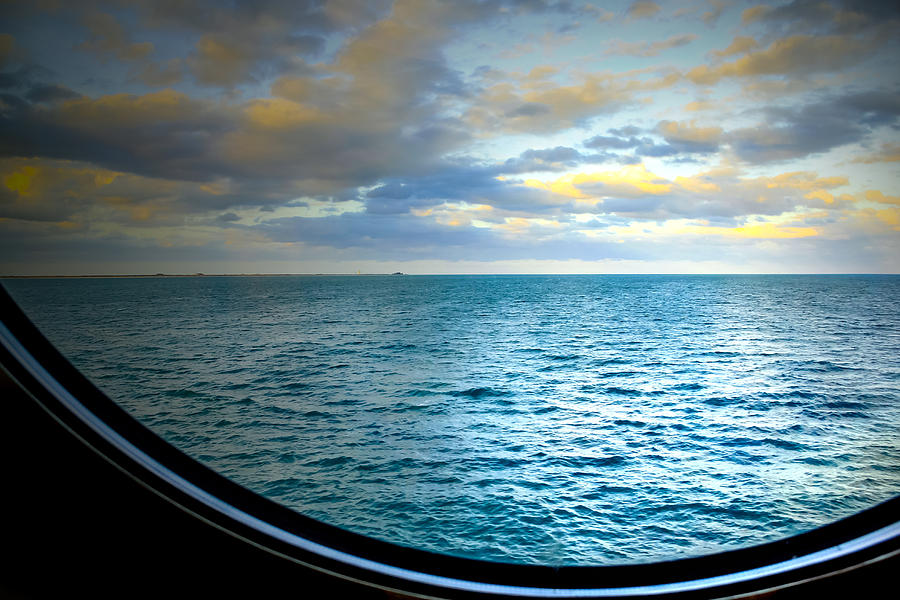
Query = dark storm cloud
x=644 y=146
x=169 y=135
x=675 y=143
x=163 y=135
x=842 y=16
x=648 y=148
x=478 y=182
x=24 y=76
x=238 y=40
x=50 y=92
x=785 y=132
x=800 y=13
x=548 y=159
x=357 y=230
x=44 y=249
x=227 y=218
x=617 y=143
x=377 y=119
x=10 y=103
x=795 y=132
x=627 y=131
x=529 y=109
x=404 y=237
x=458 y=181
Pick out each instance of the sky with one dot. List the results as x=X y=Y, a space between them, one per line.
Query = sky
x=289 y=136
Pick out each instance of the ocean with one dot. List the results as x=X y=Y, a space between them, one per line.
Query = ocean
x=532 y=419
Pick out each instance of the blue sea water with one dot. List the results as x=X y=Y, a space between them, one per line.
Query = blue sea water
x=531 y=419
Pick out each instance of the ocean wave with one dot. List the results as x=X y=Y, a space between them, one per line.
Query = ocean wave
x=481 y=392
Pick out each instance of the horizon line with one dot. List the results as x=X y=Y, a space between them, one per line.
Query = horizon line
x=396 y=273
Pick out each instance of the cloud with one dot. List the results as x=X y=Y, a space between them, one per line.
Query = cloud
x=549 y=159
x=795 y=55
x=711 y=16
x=340 y=129
x=754 y=13
x=687 y=136
x=473 y=183
x=681 y=138
x=700 y=105
x=739 y=45
x=816 y=16
x=386 y=234
x=78 y=192
x=241 y=42
x=803 y=180
x=237 y=43
x=229 y=217
x=166 y=74
x=753 y=230
x=794 y=132
x=642 y=10
x=7 y=43
x=599 y=14
x=887 y=153
x=23 y=77
x=649 y=48
x=219 y=61
x=879 y=197
x=631 y=182
x=164 y=134
x=550 y=107
x=612 y=142
x=49 y=93
x=722 y=195
x=108 y=37
x=378 y=111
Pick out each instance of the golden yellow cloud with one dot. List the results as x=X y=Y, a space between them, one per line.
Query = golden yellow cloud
x=889 y=216
x=278 y=113
x=689 y=131
x=61 y=190
x=822 y=195
x=630 y=181
x=517 y=225
x=803 y=180
x=31 y=178
x=20 y=181
x=7 y=42
x=126 y=110
x=220 y=61
x=753 y=230
x=880 y=198
x=795 y=54
x=887 y=153
x=643 y=9
x=699 y=105
x=739 y=45
x=544 y=106
x=874 y=220
x=108 y=36
x=754 y=13
x=697 y=184
x=455 y=215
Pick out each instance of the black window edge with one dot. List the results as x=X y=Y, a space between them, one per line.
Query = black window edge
x=72 y=400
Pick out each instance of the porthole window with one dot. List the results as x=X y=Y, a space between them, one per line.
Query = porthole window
x=554 y=295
